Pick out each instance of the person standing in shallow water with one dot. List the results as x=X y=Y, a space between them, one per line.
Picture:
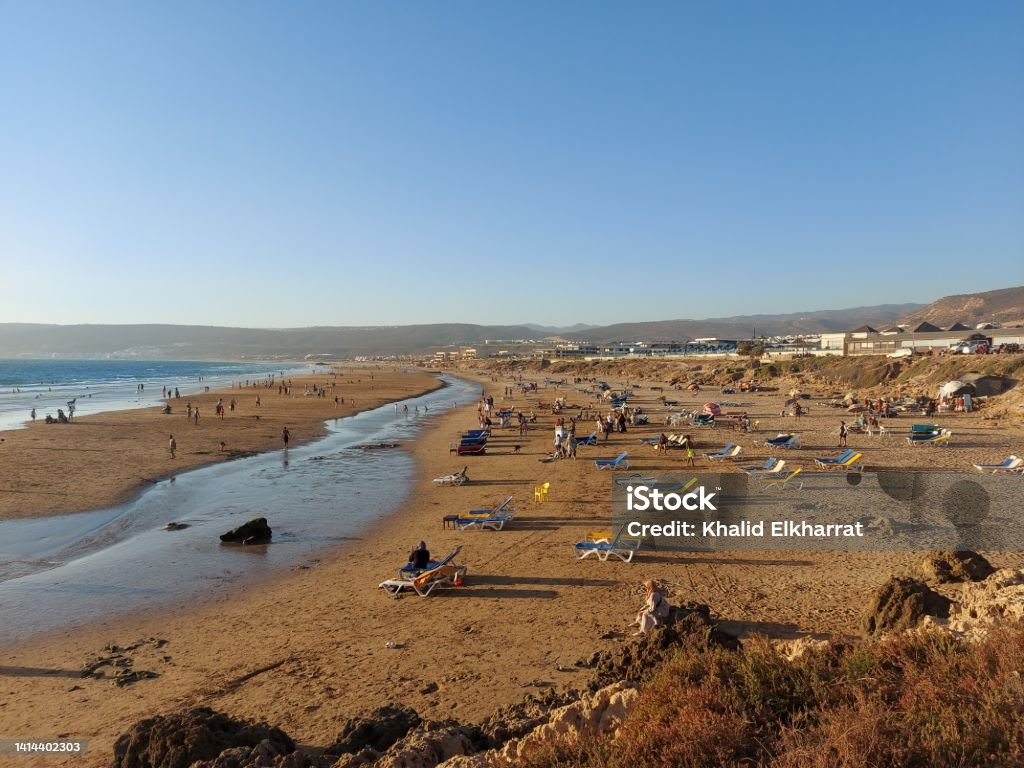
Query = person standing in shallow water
x=286 y=436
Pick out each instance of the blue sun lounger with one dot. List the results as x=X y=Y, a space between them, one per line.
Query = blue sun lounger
x=481 y=522
x=601 y=546
x=768 y=464
x=619 y=462
x=498 y=510
x=824 y=460
x=590 y=439
x=408 y=572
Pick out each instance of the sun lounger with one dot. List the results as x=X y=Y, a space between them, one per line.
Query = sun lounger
x=481 y=522
x=850 y=462
x=1010 y=464
x=927 y=429
x=775 y=471
x=783 y=441
x=472 y=449
x=503 y=508
x=822 y=461
x=590 y=439
x=788 y=482
x=619 y=462
x=719 y=454
x=602 y=545
x=456 y=478
x=942 y=439
x=473 y=439
x=732 y=453
x=766 y=467
x=426 y=582
x=408 y=572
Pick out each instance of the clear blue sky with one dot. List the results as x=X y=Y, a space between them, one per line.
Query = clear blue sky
x=289 y=164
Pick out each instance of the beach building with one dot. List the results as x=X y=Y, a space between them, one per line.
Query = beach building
x=925 y=338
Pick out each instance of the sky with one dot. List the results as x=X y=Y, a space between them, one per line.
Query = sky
x=361 y=163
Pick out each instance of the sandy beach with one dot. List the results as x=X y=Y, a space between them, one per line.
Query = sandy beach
x=310 y=649
x=103 y=459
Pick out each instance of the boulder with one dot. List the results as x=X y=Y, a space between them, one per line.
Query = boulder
x=947 y=567
x=430 y=744
x=900 y=604
x=181 y=739
x=377 y=730
x=256 y=531
x=263 y=755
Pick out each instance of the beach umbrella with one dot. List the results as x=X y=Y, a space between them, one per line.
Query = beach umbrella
x=712 y=409
x=794 y=393
x=857 y=408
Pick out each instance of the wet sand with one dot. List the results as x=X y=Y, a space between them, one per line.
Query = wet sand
x=104 y=459
x=308 y=650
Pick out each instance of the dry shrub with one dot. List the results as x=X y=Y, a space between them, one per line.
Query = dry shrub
x=921 y=699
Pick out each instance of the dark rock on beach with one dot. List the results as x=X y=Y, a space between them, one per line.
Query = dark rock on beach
x=377 y=730
x=900 y=604
x=949 y=567
x=176 y=526
x=256 y=531
x=179 y=740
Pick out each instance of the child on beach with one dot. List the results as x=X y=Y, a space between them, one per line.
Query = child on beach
x=172 y=445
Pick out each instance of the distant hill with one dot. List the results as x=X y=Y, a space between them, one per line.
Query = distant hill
x=744 y=326
x=187 y=342
x=555 y=330
x=1005 y=306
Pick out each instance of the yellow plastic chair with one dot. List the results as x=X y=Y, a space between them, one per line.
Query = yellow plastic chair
x=540 y=492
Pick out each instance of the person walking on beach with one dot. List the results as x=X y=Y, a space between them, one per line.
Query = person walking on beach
x=195 y=416
x=33 y=414
x=172 y=445
x=843 y=432
x=286 y=436
x=688 y=442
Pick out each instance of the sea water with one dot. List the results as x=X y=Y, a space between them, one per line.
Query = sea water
x=61 y=571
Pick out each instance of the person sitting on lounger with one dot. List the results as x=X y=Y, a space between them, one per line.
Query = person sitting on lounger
x=655 y=610
x=419 y=558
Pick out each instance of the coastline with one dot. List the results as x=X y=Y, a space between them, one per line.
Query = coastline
x=315 y=638
x=93 y=470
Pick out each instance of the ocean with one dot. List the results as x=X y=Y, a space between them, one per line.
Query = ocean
x=108 y=385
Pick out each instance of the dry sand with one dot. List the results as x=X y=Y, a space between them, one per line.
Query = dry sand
x=308 y=650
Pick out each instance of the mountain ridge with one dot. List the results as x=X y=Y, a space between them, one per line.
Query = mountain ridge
x=206 y=342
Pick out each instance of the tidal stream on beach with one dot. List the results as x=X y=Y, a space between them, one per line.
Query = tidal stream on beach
x=61 y=571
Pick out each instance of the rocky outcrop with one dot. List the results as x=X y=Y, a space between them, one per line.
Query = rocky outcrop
x=256 y=531
x=947 y=567
x=263 y=755
x=376 y=730
x=598 y=714
x=633 y=662
x=900 y=604
x=998 y=600
x=179 y=740
x=431 y=744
